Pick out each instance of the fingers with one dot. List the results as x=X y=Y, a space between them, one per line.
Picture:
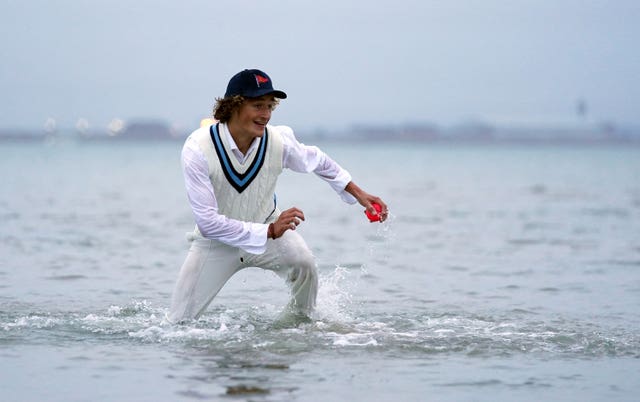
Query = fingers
x=292 y=217
x=384 y=210
x=384 y=214
x=288 y=220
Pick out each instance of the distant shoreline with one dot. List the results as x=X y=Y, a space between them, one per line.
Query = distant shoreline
x=409 y=133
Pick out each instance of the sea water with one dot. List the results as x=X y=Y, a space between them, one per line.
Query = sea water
x=505 y=272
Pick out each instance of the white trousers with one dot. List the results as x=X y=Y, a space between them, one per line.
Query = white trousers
x=210 y=264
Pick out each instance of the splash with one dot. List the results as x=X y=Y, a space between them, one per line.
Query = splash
x=335 y=292
x=340 y=323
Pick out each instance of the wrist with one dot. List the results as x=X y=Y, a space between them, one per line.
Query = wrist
x=353 y=189
x=270 y=232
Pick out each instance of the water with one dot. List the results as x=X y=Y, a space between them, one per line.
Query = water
x=504 y=273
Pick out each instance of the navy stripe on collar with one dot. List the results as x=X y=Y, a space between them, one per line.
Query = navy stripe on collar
x=239 y=181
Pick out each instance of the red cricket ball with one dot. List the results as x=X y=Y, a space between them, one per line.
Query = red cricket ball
x=374 y=218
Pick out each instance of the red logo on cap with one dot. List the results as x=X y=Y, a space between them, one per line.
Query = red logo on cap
x=260 y=79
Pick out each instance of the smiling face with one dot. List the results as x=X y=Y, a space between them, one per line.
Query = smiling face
x=250 y=120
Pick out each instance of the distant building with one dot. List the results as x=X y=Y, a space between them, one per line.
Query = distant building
x=136 y=130
x=147 y=130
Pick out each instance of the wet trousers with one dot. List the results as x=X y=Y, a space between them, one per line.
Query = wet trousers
x=210 y=264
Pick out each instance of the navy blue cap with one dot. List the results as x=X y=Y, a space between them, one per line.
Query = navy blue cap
x=252 y=84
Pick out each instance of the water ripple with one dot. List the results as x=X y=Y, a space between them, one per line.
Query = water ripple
x=394 y=334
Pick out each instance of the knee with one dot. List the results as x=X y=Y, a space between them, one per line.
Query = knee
x=305 y=260
x=303 y=268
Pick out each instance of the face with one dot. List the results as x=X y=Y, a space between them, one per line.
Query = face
x=252 y=117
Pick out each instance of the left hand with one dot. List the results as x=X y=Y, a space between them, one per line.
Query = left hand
x=288 y=220
x=366 y=200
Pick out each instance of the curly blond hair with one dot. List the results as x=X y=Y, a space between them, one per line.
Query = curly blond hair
x=225 y=107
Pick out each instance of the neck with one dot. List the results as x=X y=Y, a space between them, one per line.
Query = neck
x=242 y=140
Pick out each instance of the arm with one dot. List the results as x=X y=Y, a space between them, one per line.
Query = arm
x=302 y=158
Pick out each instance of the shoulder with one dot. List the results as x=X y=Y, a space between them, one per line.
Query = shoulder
x=194 y=142
x=199 y=136
x=281 y=130
x=284 y=132
x=199 y=133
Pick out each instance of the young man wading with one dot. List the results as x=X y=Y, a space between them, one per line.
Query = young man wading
x=230 y=170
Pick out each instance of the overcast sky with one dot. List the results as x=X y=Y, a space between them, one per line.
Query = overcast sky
x=341 y=62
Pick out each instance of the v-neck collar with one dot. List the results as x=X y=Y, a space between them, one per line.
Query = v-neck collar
x=233 y=147
x=239 y=181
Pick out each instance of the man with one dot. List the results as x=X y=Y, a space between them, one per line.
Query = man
x=230 y=170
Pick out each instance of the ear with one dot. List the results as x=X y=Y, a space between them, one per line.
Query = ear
x=236 y=111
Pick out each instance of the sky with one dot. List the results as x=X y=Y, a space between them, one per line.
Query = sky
x=341 y=62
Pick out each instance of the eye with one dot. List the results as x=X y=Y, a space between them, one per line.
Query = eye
x=263 y=106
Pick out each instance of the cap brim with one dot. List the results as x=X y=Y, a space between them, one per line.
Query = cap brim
x=258 y=93
x=279 y=94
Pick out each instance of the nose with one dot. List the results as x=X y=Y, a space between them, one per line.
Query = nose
x=266 y=114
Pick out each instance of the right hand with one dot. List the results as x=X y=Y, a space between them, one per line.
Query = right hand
x=288 y=220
